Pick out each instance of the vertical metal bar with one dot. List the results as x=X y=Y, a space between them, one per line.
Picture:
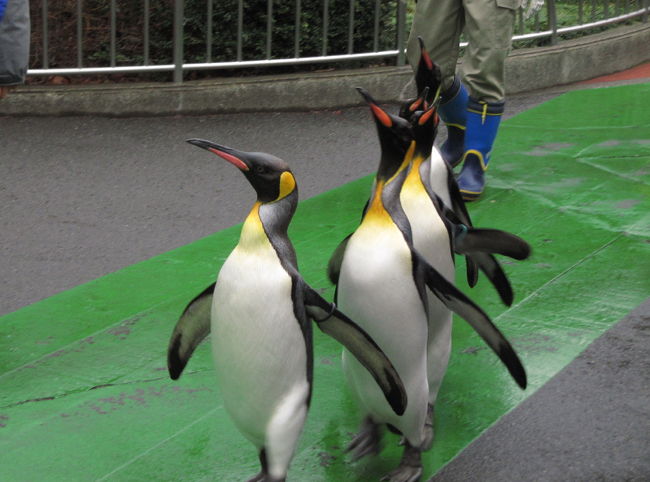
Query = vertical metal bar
x=240 y=28
x=178 y=40
x=401 y=37
x=606 y=8
x=520 y=16
x=537 y=29
x=552 y=20
x=46 y=57
x=208 y=40
x=113 y=32
x=269 y=27
x=326 y=24
x=80 y=50
x=375 y=35
x=147 y=15
x=646 y=5
x=351 y=27
x=593 y=10
x=580 y=12
x=296 y=37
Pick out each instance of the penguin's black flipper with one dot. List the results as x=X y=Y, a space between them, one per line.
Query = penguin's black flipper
x=492 y=269
x=457 y=202
x=334 y=265
x=459 y=212
x=335 y=324
x=190 y=330
x=493 y=241
x=460 y=304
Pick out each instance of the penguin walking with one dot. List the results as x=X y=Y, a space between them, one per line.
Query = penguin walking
x=382 y=284
x=478 y=245
x=433 y=238
x=259 y=314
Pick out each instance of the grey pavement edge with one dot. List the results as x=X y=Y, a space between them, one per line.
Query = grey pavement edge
x=591 y=422
x=527 y=69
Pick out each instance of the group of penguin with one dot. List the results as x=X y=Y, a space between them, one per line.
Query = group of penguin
x=393 y=304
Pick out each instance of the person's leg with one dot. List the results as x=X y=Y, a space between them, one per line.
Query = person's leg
x=489 y=27
x=14 y=44
x=439 y=23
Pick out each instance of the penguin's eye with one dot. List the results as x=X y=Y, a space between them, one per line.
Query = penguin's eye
x=260 y=169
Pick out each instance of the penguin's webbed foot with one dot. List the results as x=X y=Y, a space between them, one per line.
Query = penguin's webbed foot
x=410 y=468
x=427 y=433
x=367 y=441
x=262 y=477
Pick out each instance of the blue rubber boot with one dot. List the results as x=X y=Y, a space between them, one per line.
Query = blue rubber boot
x=483 y=121
x=453 y=111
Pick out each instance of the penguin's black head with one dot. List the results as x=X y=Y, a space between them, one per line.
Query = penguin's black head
x=395 y=137
x=427 y=75
x=270 y=176
x=425 y=127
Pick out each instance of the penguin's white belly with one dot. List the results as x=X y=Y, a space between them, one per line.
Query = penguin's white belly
x=258 y=346
x=430 y=235
x=431 y=240
x=438 y=176
x=376 y=290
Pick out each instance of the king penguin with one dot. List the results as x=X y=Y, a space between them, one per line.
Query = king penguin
x=433 y=239
x=259 y=313
x=478 y=245
x=382 y=284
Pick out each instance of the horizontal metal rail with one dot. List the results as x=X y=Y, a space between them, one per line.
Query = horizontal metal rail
x=216 y=65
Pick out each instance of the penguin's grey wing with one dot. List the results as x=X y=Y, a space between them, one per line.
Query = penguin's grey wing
x=460 y=210
x=460 y=230
x=190 y=330
x=334 y=265
x=456 y=301
x=335 y=324
x=457 y=203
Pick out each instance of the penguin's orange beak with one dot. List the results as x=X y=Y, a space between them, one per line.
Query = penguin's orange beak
x=380 y=114
x=227 y=153
x=425 y=55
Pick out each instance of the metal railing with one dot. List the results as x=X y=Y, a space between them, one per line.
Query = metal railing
x=557 y=19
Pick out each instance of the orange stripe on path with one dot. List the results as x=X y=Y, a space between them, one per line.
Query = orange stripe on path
x=639 y=72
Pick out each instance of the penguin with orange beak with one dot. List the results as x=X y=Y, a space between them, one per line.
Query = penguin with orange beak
x=259 y=314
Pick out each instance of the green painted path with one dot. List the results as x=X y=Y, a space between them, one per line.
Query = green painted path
x=84 y=393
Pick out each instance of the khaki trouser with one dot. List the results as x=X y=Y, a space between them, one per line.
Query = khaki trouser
x=488 y=27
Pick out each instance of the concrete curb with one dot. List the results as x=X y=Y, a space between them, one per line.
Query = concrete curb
x=527 y=70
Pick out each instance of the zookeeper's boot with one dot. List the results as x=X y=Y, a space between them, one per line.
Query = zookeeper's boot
x=453 y=111
x=481 y=128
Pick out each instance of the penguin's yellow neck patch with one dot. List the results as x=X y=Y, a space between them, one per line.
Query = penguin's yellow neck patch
x=287 y=185
x=253 y=235
x=413 y=182
x=376 y=213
